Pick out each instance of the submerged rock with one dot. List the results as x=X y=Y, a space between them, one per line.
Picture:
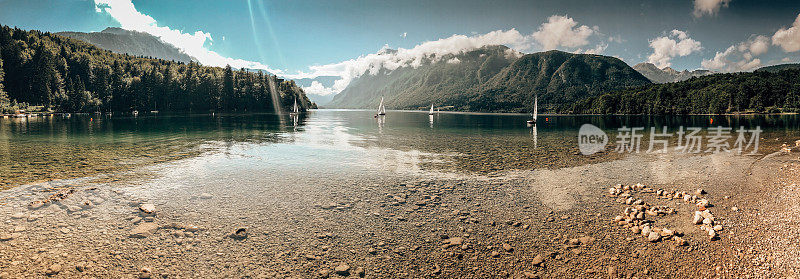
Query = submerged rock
x=143 y=230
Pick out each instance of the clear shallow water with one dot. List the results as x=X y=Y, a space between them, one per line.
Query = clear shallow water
x=328 y=140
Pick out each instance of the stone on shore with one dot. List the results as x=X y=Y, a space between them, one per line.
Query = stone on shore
x=147 y=208
x=538 y=260
x=145 y=273
x=53 y=269
x=144 y=230
x=653 y=237
x=342 y=269
x=239 y=234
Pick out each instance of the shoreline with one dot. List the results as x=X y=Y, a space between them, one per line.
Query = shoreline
x=520 y=223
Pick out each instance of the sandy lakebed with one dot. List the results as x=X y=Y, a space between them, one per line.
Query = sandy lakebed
x=160 y=222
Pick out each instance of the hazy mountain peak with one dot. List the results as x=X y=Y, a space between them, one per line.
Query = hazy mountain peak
x=667 y=74
x=129 y=42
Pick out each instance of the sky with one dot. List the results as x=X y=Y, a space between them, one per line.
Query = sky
x=347 y=38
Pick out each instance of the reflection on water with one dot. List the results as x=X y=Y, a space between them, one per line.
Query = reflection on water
x=56 y=147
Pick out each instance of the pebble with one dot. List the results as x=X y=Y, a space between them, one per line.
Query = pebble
x=538 y=260
x=507 y=247
x=239 y=234
x=653 y=237
x=699 y=192
x=206 y=196
x=360 y=272
x=342 y=269
x=455 y=241
x=18 y=215
x=6 y=237
x=35 y=205
x=143 y=230
x=698 y=219
x=147 y=208
x=145 y=273
x=53 y=269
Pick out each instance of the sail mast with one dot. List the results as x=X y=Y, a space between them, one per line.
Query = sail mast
x=535 y=107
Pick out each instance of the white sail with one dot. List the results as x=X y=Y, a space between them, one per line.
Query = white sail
x=381 y=108
x=431 y=112
x=295 y=109
x=535 y=107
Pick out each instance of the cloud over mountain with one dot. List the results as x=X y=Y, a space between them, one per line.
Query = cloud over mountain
x=562 y=31
x=559 y=32
x=676 y=43
x=739 y=57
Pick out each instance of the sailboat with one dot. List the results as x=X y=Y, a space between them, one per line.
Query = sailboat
x=381 y=108
x=431 y=112
x=535 y=110
x=295 y=109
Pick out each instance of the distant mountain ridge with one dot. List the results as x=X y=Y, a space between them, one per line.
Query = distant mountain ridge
x=667 y=74
x=131 y=42
x=778 y=68
x=493 y=78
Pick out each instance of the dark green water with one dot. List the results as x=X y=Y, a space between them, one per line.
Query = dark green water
x=55 y=147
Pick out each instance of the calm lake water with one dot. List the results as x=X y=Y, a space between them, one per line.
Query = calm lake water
x=43 y=148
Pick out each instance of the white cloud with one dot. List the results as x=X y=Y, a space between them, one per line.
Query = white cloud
x=788 y=38
x=710 y=7
x=616 y=39
x=677 y=43
x=192 y=44
x=413 y=57
x=317 y=88
x=561 y=31
x=598 y=49
x=739 y=57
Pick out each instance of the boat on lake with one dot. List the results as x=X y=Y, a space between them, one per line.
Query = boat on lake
x=431 y=112
x=381 y=109
x=295 y=109
x=535 y=113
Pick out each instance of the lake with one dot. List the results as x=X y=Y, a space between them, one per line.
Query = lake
x=42 y=148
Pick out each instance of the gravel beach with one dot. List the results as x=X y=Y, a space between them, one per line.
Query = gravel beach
x=162 y=222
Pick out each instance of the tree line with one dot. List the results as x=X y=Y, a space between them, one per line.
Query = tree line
x=63 y=74
x=756 y=92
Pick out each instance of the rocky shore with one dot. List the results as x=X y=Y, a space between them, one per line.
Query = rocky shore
x=642 y=216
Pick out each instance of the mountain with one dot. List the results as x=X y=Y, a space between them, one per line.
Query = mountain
x=434 y=81
x=778 y=68
x=667 y=74
x=493 y=78
x=131 y=42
